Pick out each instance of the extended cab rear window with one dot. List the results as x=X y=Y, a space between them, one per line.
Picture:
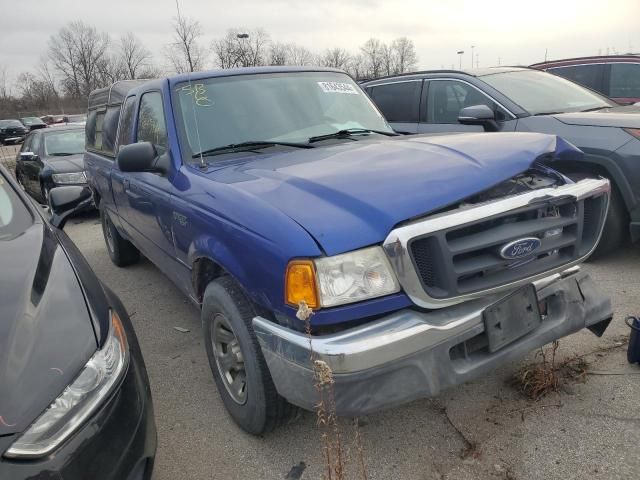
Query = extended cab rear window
x=101 y=129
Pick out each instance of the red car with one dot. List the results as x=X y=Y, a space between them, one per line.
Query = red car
x=616 y=76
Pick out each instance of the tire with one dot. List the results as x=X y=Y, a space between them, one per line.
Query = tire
x=121 y=251
x=616 y=227
x=257 y=408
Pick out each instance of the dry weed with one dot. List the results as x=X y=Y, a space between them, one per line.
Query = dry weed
x=336 y=455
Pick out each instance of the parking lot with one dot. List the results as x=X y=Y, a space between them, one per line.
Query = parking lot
x=485 y=429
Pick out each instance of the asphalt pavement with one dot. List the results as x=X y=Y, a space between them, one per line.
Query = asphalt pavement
x=590 y=429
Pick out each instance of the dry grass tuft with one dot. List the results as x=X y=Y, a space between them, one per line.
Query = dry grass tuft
x=541 y=378
x=336 y=454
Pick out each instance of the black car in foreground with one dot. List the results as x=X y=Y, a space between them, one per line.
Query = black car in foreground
x=75 y=401
x=510 y=99
x=51 y=158
x=33 y=123
x=12 y=131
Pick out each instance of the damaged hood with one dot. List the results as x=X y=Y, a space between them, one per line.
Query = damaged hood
x=352 y=194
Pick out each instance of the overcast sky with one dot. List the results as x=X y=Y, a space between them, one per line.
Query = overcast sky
x=509 y=31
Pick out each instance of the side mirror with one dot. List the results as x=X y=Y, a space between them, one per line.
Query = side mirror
x=139 y=157
x=28 y=156
x=479 y=115
x=64 y=201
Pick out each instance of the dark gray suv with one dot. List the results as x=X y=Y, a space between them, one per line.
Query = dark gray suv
x=527 y=100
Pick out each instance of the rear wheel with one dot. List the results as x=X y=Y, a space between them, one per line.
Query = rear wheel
x=121 y=251
x=239 y=369
x=616 y=227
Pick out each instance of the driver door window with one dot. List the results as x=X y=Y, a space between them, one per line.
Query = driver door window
x=445 y=99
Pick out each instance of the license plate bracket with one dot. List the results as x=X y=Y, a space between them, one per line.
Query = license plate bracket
x=512 y=317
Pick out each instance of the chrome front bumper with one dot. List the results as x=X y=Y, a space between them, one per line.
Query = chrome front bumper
x=409 y=354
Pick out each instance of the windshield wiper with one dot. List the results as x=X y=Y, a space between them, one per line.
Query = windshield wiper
x=251 y=145
x=61 y=154
x=348 y=132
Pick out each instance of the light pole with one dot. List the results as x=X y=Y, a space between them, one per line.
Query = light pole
x=472 y=57
x=460 y=52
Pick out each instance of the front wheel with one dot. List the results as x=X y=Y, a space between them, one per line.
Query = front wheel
x=239 y=369
x=121 y=251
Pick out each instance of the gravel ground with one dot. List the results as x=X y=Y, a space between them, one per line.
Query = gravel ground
x=484 y=429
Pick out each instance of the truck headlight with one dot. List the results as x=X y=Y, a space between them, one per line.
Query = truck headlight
x=79 y=400
x=345 y=278
x=73 y=177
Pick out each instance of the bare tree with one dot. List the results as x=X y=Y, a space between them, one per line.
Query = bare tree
x=76 y=52
x=372 y=52
x=387 y=58
x=242 y=48
x=185 y=54
x=134 y=57
x=278 y=54
x=357 y=67
x=336 y=58
x=405 y=58
x=252 y=48
x=298 y=55
x=224 y=50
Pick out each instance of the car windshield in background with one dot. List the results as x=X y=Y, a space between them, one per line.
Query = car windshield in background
x=30 y=120
x=543 y=93
x=280 y=107
x=64 y=143
x=10 y=123
x=14 y=216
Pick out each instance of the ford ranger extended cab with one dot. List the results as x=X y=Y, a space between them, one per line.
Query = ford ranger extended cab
x=426 y=260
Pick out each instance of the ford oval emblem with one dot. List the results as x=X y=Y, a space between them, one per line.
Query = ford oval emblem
x=520 y=248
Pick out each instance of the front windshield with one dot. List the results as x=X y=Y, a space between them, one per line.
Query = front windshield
x=278 y=107
x=541 y=92
x=64 y=143
x=10 y=123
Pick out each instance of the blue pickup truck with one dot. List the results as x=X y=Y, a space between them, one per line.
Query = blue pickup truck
x=426 y=260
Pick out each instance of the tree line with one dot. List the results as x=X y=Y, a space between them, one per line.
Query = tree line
x=79 y=59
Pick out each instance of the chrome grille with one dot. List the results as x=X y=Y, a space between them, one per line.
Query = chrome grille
x=454 y=256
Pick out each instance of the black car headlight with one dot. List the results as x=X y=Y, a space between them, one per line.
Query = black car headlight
x=96 y=382
x=71 y=177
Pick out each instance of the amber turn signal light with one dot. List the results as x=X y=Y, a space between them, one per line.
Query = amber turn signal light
x=300 y=284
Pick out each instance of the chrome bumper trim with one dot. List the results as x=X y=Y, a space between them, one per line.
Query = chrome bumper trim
x=382 y=341
x=412 y=354
x=397 y=242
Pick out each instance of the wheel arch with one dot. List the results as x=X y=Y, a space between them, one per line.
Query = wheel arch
x=605 y=167
x=203 y=271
